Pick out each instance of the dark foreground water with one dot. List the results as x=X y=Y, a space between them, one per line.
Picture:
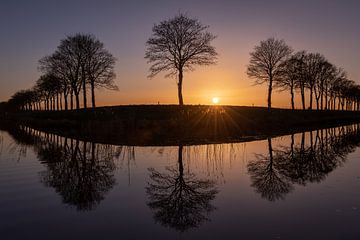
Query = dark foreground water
x=302 y=186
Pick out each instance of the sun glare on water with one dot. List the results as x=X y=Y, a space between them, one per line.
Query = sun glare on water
x=215 y=100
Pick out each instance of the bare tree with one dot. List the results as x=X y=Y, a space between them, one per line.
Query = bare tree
x=98 y=66
x=177 y=45
x=266 y=62
x=54 y=65
x=290 y=77
x=79 y=61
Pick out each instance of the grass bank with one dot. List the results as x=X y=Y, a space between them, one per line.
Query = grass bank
x=173 y=124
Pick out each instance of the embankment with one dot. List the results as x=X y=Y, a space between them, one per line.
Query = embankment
x=173 y=124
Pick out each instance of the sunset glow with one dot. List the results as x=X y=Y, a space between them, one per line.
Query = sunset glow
x=215 y=100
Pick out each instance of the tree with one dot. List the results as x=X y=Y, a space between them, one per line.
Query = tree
x=266 y=63
x=290 y=77
x=177 y=45
x=81 y=60
x=55 y=65
x=49 y=87
x=98 y=66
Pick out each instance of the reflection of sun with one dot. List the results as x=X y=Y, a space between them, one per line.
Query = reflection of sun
x=215 y=100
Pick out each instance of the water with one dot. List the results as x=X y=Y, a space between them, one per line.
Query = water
x=301 y=186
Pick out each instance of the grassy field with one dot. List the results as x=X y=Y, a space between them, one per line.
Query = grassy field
x=172 y=124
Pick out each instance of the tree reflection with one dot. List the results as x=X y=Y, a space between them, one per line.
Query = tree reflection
x=266 y=176
x=179 y=199
x=275 y=174
x=78 y=175
x=80 y=172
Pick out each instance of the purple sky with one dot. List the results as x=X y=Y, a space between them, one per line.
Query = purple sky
x=33 y=29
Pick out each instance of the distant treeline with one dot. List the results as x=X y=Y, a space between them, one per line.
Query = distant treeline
x=80 y=63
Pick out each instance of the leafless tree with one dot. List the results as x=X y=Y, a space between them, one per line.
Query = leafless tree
x=266 y=63
x=98 y=66
x=81 y=60
x=290 y=77
x=177 y=45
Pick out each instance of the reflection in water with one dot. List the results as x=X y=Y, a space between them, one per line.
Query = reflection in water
x=274 y=175
x=179 y=199
x=266 y=176
x=80 y=172
x=77 y=173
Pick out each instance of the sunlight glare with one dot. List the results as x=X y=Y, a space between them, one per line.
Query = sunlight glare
x=215 y=100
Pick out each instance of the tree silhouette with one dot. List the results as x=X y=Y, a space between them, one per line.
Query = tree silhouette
x=98 y=66
x=180 y=200
x=266 y=63
x=290 y=77
x=177 y=45
x=81 y=60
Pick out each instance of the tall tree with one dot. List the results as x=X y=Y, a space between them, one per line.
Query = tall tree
x=266 y=63
x=177 y=45
x=290 y=76
x=98 y=66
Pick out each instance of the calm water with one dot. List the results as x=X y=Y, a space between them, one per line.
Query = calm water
x=302 y=186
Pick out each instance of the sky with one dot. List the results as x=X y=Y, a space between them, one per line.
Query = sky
x=33 y=29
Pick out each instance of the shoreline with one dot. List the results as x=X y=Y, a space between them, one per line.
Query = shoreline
x=146 y=125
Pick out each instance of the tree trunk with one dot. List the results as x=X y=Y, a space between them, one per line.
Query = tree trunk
x=326 y=100
x=311 y=98
x=181 y=102
x=65 y=101
x=317 y=103
x=303 y=97
x=321 y=100
x=57 y=102
x=269 y=92
x=93 y=94
x=77 y=100
x=61 y=103
x=71 y=100
x=292 y=98
x=84 y=92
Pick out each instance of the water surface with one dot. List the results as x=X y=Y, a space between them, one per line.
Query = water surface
x=301 y=186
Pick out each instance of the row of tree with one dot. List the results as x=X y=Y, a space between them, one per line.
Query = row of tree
x=80 y=63
x=178 y=45
x=273 y=62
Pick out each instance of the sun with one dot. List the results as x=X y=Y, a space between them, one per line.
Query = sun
x=215 y=100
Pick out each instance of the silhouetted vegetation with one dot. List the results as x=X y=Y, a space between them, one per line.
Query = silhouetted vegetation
x=79 y=62
x=266 y=63
x=177 y=45
x=327 y=84
x=173 y=124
